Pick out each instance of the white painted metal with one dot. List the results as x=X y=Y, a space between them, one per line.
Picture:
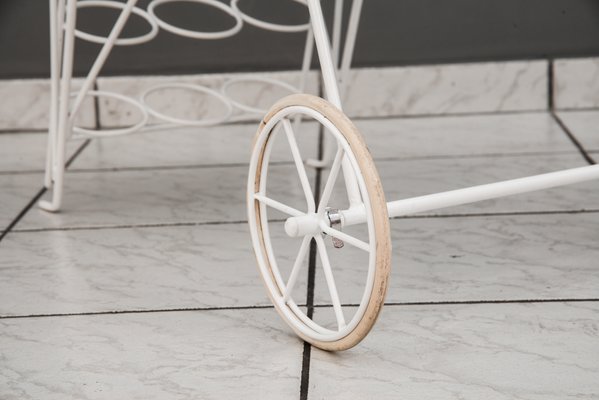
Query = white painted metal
x=123 y=41
x=293 y=315
x=63 y=111
x=311 y=223
x=195 y=34
x=331 y=86
x=350 y=44
x=478 y=193
x=194 y=88
x=254 y=79
x=90 y=133
x=101 y=58
x=269 y=25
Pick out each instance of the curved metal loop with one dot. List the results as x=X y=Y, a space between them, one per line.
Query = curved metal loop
x=263 y=80
x=122 y=41
x=196 y=34
x=83 y=132
x=269 y=25
x=189 y=122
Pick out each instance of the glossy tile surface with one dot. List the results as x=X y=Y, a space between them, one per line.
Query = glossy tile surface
x=26 y=151
x=409 y=178
x=229 y=144
x=145 y=285
x=163 y=196
x=189 y=105
x=177 y=355
x=491 y=351
x=102 y=270
x=480 y=258
x=27 y=105
x=526 y=133
x=447 y=89
x=576 y=84
x=584 y=125
x=15 y=192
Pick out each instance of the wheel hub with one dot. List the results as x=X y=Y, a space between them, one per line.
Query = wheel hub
x=310 y=224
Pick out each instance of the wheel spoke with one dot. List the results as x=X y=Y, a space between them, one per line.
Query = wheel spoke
x=345 y=237
x=299 y=164
x=278 y=206
x=328 y=187
x=328 y=273
x=299 y=261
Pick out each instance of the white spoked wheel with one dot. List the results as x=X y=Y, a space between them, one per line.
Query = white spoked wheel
x=353 y=291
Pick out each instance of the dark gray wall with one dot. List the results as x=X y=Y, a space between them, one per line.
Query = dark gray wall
x=393 y=32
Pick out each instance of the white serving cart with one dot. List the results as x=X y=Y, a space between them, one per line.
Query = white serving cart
x=346 y=159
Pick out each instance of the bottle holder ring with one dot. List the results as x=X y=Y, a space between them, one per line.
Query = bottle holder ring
x=269 y=25
x=84 y=132
x=254 y=79
x=196 y=88
x=122 y=41
x=197 y=34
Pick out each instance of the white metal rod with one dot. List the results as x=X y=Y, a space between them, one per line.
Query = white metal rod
x=54 y=80
x=331 y=87
x=337 y=28
x=307 y=60
x=102 y=56
x=63 y=124
x=350 y=43
x=324 y=53
x=473 y=194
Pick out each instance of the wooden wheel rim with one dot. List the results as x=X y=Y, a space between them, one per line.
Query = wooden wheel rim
x=376 y=207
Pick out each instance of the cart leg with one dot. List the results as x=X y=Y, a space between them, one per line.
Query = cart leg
x=343 y=73
x=58 y=138
x=331 y=87
x=56 y=27
x=62 y=115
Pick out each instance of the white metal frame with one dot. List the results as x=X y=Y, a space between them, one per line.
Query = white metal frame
x=66 y=104
x=335 y=60
x=317 y=215
x=356 y=213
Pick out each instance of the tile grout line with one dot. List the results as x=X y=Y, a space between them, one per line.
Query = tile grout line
x=43 y=190
x=39 y=194
x=572 y=138
x=268 y=307
x=307 y=351
x=363 y=118
x=289 y=163
x=356 y=118
x=557 y=119
x=550 y=85
x=241 y=222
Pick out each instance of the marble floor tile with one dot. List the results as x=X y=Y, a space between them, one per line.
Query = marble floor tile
x=26 y=151
x=488 y=351
x=27 y=104
x=575 y=83
x=105 y=270
x=174 y=355
x=417 y=177
x=187 y=104
x=21 y=152
x=584 y=125
x=513 y=257
x=228 y=144
x=166 y=196
x=218 y=194
x=447 y=89
x=464 y=135
x=16 y=191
